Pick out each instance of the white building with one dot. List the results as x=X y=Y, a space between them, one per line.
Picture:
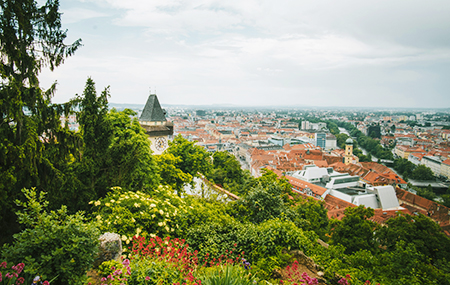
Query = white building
x=349 y=188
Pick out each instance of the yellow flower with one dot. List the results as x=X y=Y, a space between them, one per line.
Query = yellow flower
x=167 y=228
x=107 y=204
x=97 y=203
x=138 y=230
x=98 y=217
x=160 y=224
x=112 y=200
x=124 y=237
x=137 y=205
x=91 y=202
x=153 y=216
x=133 y=220
x=161 y=212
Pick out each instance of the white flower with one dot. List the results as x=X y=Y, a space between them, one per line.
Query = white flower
x=97 y=203
x=152 y=205
x=124 y=237
x=161 y=212
x=137 y=205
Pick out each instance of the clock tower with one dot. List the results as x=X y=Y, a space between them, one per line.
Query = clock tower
x=153 y=120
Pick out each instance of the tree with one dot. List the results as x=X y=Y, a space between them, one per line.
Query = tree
x=227 y=171
x=96 y=132
x=315 y=214
x=31 y=38
x=422 y=172
x=130 y=163
x=355 y=230
x=426 y=193
x=170 y=174
x=419 y=230
x=194 y=159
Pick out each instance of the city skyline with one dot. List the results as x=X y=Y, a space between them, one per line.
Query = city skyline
x=258 y=53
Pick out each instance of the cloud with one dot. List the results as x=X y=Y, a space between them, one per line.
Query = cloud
x=74 y=15
x=305 y=52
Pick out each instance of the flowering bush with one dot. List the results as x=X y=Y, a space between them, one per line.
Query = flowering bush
x=293 y=275
x=115 y=272
x=11 y=276
x=163 y=261
x=136 y=213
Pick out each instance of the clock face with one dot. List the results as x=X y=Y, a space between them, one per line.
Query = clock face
x=161 y=144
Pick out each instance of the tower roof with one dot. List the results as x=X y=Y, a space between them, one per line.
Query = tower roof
x=349 y=141
x=152 y=110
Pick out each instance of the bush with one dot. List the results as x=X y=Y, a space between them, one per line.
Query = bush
x=53 y=243
x=136 y=213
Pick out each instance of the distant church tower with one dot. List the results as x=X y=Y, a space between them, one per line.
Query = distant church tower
x=348 y=155
x=153 y=120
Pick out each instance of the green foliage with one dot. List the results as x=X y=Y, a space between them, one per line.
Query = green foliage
x=129 y=161
x=53 y=243
x=427 y=193
x=419 y=230
x=108 y=267
x=262 y=204
x=227 y=171
x=355 y=230
x=314 y=212
x=422 y=172
x=404 y=166
x=410 y=170
x=194 y=159
x=265 y=266
x=255 y=242
x=170 y=174
x=131 y=213
x=228 y=275
x=31 y=38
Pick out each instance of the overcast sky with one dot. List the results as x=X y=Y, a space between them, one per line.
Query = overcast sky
x=383 y=53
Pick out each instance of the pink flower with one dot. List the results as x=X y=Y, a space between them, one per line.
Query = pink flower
x=126 y=262
x=20 y=267
x=20 y=280
x=1 y=277
x=3 y=264
x=45 y=283
x=147 y=278
x=104 y=279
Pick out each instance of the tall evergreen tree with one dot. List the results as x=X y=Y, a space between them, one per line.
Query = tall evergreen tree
x=31 y=38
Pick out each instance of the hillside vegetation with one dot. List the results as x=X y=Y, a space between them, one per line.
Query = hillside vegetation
x=61 y=189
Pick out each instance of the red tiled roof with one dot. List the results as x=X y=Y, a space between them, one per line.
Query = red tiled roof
x=301 y=185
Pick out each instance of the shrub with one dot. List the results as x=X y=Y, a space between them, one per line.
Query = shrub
x=136 y=213
x=228 y=275
x=53 y=243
